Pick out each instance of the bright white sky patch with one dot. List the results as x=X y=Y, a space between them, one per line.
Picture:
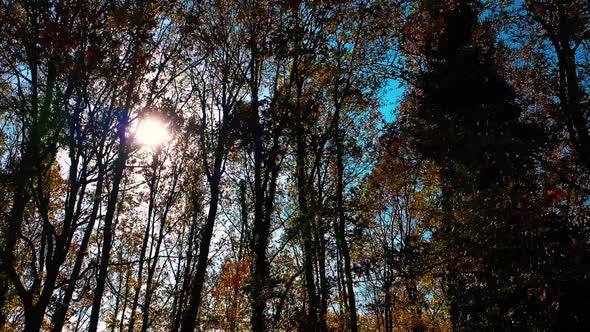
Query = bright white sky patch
x=152 y=132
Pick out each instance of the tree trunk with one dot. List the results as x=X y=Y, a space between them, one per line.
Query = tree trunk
x=341 y=227
x=152 y=267
x=259 y=240
x=181 y=302
x=146 y=239
x=108 y=220
x=324 y=291
x=62 y=308
x=305 y=223
x=33 y=319
x=125 y=298
x=118 y=300
x=192 y=312
x=387 y=307
x=571 y=93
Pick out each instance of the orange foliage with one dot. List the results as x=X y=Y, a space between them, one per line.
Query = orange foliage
x=229 y=295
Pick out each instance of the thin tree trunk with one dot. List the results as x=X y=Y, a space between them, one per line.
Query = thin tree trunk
x=259 y=240
x=387 y=307
x=571 y=98
x=323 y=310
x=125 y=298
x=152 y=267
x=233 y=323
x=191 y=313
x=146 y=239
x=109 y=216
x=61 y=309
x=181 y=302
x=305 y=223
x=118 y=301
x=341 y=227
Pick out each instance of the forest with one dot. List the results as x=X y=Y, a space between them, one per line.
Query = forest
x=294 y=165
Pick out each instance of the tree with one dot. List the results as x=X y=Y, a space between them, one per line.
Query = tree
x=466 y=119
x=218 y=84
x=400 y=215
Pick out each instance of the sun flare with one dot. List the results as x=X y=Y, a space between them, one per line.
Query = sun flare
x=152 y=132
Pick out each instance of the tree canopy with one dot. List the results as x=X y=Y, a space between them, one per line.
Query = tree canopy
x=235 y=165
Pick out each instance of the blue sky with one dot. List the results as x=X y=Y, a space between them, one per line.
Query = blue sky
x=390 y=95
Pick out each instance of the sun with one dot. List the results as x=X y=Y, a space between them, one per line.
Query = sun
x=152 y=132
